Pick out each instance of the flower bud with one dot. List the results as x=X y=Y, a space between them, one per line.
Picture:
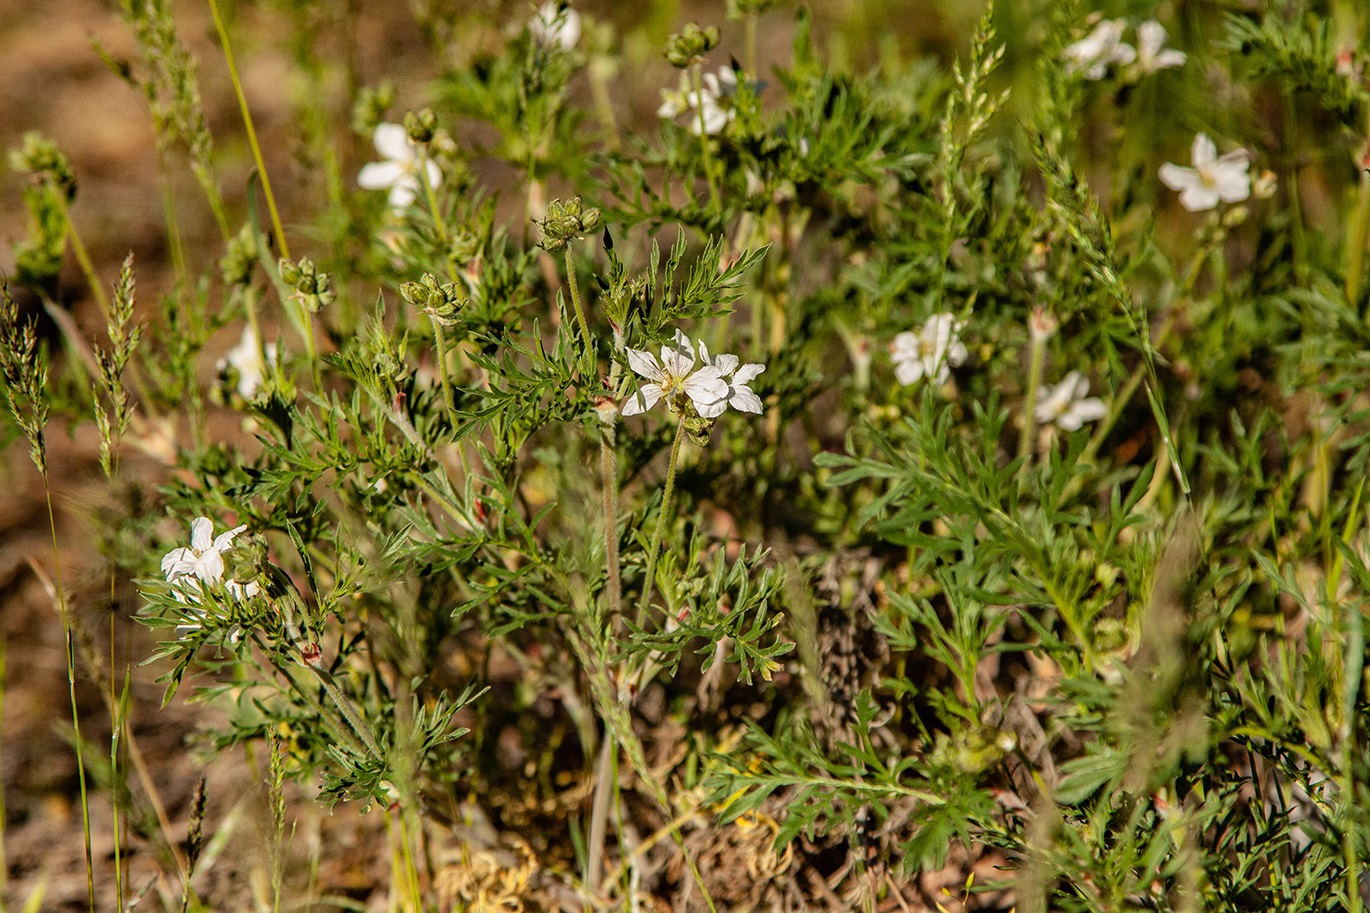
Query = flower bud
x=1042 y=325
x=566 y=220
x=371 y=105
x=421 y=125
x=690 y=46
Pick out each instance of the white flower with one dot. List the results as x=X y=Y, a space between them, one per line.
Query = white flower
x=1093 y=53
x=203 y=562
x=1152 y=54
x=675 y=372
x=556 y=25
x=1066 y=404
x=931 y=353
x=246 y=359
x=740 y=396
x=399 y=173
x=1212 y=178
x=715 y=98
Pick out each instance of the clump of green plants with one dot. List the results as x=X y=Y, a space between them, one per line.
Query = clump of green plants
x=840 y=472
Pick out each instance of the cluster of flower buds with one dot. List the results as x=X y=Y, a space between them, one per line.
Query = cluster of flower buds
x=421 y=125
x=689 y=47
x=40 y=158
x=441 y=301
x=313 y=288
x=566 y=221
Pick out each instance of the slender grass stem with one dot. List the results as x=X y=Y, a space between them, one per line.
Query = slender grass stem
x=83 y=259
x=4 y=865
x=655 y=545
x=71 y=692
x=256 y=147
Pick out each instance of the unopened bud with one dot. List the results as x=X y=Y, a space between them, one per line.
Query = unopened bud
x=690 y=46
x=420 y=125
x=1042 y=325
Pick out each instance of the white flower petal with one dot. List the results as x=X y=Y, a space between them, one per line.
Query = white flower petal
x=1202 y=152
x=645 y=398
x=1232 y=183
x=381 y=175
x=392 y=142
x=404 y=192
x=747 y=373
x=908 y=372
x=178 y=562
x=743 y=399
x=644 y=364
x=201 y=533
x=713 y=409
x=1150 y=38
x=434 y=173
x=1123 y=54
x=705 y=386
x=1168 y=58
x=678 y=356
x=1198 y=197
x=1177 y=177
x=225 y=540
x=672 y=104
x=210 y=566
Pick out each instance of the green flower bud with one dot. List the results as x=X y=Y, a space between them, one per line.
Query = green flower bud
x=567 y=220
x=421 y=125
x=313 y=289
x=40 y=157
x=690 y=46
x=370 y=107
x=465 y=247
x=442 y=301
x=238 y=261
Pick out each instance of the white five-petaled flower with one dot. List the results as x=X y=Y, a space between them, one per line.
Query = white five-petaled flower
x=1066 y=404
x=1093 y=53
x=556 y=25
x=1152 y=54
x=932 y=352
x=740 y=396
x=246 y=359
x=399 y=173
x=189 y=569
x=675 y=372
x=714 y=101
x=1213 y=177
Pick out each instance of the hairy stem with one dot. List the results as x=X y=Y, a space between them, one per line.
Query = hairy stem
x=655 y=546
x=574 y=285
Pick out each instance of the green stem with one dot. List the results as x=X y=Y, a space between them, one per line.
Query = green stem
x=705 y=149
x=251 y=130
x=1360 y=229
x=71 y=693
x=83 y=258
x=655 y=546
x=1036 y=352
x=613 y=582
x=574 y=286
x=349 y=710
x=442 y=372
